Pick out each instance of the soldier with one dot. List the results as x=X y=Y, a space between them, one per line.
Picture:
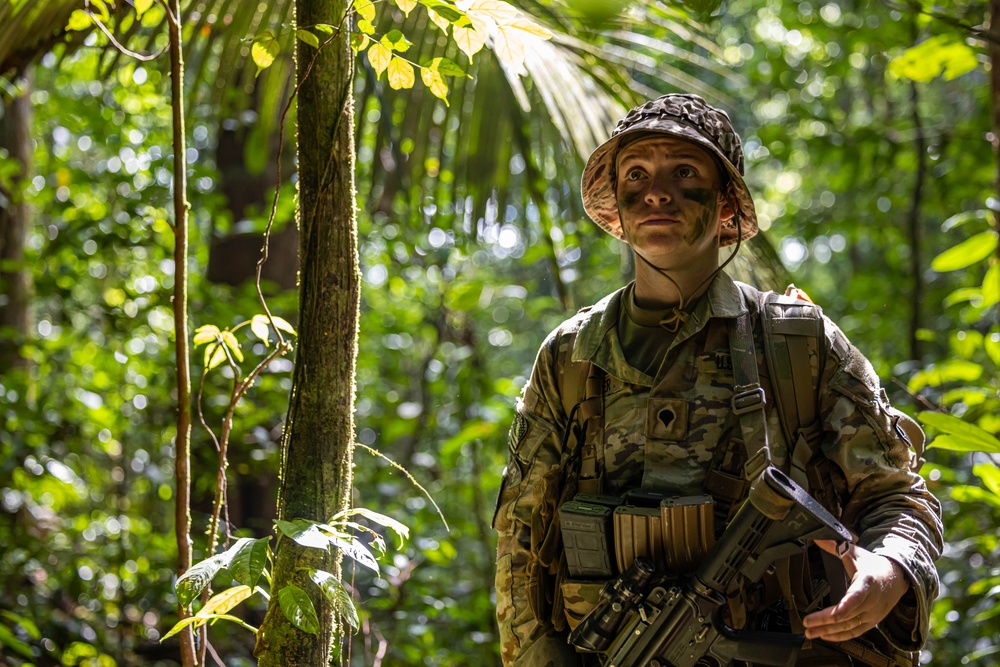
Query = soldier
x=657 y=354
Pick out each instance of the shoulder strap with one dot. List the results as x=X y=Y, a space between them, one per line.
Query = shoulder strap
x=581 y=387
x=748 y=396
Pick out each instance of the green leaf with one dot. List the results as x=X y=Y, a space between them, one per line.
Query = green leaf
x=229 y=339
x=963 y=294
x=79 y=20
x=9 y=640
x=990 y=475
x=940 y=55
x=198 y=620
x=356 y=551
x=365 y=9
x=395 y=40
x=959 y=435
x=992 y=344
x=264 y=51
x=446 y=67
x=446 y=11
x=338 y=596
x=401 y=76
x=324 y=28
x=260 y=329
x=379 y=57
x=206 y=334
x=966 y=253
x=214 y=355
x=195 y=580
x=26 y=623
x=956 y=370
x=307 y=37
x=435 y=83
x=406 y=5
x=298 y=609
x=991 y=286
x=381 y=519
x=249 y=560
x=222 y=602
x=367 y=27
x=141 y=7
x=974 y=496
x=359 y=41
x=306 y=533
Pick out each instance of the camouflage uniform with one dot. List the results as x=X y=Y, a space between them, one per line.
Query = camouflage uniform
x=877 y=497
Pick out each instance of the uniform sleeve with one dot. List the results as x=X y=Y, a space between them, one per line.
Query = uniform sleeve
x=528 y=499
x=886 y=504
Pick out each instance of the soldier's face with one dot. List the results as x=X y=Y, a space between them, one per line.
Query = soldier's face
x=670 y=202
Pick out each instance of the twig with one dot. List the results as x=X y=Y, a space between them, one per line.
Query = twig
x=919 y=398
x=410 y=477
x=121 y=47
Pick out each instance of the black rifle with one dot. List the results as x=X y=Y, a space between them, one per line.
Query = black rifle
x=678 y=624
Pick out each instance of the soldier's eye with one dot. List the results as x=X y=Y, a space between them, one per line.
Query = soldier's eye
x=686 y=172
x=635 y=174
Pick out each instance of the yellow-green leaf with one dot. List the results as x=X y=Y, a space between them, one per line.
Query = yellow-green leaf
x=359 y=41
x=395 y=41
x=959 y=435
x=234 y=345
x=990 y=475
x=141 y=6
x=224 y=601
x=281 y=323
x=183 y=623
x=435 y=83
x=79 y=20
x=401 y=74
x=446 y=67
x=406 y=5
x=366 y=27
x=308 y=37
x=469 y=40
x=102 y=9
x=365 y=9
x=530 y=27
x=379 y=57
x=509 y=45
x=264 y=51
x=214 y=355
x=966 y=253
x=991 y=286
x=992 y=344
x=439 y=20
x=205 y=334
x=258 y=325
x=943 y=55
x=501 y=12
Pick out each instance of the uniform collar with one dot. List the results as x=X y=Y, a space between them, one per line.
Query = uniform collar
x=597 y=337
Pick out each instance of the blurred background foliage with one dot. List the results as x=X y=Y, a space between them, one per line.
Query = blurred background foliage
x=868 y=159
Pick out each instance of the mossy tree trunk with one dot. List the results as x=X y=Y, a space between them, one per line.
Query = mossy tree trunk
x=319 y=432
x=15 y=278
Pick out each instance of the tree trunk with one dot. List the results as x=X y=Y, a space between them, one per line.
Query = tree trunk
x=15 y=278
x=319 y=432
x=995 y=90
x=914 y=228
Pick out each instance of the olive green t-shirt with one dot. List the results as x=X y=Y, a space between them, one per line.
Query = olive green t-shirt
x=643 y=339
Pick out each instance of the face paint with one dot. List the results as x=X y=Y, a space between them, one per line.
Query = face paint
x=709 y=201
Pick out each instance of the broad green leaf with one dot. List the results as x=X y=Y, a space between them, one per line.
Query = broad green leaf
x=406 y=5
x=444 y=11
x=141 y=7
x=446 y=67
x=229 y=339
x=337 y=595
x=307 y=37
x=396 y=41
x=963 y=435
x=469 y=40
x=359 y=41
x=966 y=253
x=365 y=9
x=195 y=580
x=306 y=533
x=400 y=74
x=258 y=325
x=940 y=55
x=206 y=334
x=439 y=20
x=324 y=28
x=956 y=370
x=381 y=519
x=226 y=557
x=974 y=496
x=379 y=57
x=991 y=286
x=990 y=475
x=298 y=609
x=29 y=626
x=79 y=20
x=222 y=602
x=355 y=550
x=963 y=294
x=264 y=51
x=198 y=621
x=249 y=560
x=9 y=640
x=992 y=344
x=435 y=83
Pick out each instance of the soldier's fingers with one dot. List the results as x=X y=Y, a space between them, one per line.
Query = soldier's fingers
x=838 y=616
x=847 y=629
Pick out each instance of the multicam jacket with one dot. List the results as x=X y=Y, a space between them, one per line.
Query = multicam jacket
x=877 y=496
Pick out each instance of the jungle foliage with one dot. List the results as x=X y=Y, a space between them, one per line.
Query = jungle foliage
x=867 y=127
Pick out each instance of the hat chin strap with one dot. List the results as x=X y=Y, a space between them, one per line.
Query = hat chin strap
x=678 y=315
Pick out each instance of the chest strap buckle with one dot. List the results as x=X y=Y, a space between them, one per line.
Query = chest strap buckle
x=747 y=398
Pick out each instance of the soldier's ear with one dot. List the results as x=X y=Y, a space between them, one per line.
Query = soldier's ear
x=726 y=211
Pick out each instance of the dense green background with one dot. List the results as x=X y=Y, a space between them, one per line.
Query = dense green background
x=459 y=290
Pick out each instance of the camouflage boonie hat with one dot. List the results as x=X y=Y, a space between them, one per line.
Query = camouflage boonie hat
x=685 y=116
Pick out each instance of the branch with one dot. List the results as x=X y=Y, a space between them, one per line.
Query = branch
x=118 y=45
